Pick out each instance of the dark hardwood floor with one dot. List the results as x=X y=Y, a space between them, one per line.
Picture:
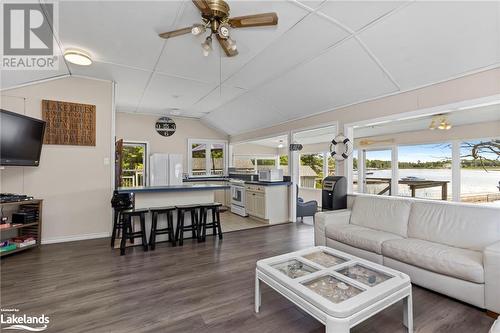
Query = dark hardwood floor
x=200 y=287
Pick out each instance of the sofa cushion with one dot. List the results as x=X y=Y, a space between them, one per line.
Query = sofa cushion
x=382 y=213
x=447 y=260
x=360 y=237
x=465 y=226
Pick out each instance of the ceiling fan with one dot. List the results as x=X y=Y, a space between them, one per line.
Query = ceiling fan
x=215 y=18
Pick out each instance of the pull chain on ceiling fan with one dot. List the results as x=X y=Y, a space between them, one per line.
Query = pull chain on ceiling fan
x=215 y=18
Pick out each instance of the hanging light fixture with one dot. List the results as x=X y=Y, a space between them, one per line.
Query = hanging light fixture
x=281 y=144
x=207 y=46
x=440 y=122
x=198 y=29
x=231 y=43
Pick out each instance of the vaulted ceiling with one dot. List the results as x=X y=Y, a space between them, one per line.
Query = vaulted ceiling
x=322 y=55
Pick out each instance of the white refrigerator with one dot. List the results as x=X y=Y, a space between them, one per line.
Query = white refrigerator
x=165 y=169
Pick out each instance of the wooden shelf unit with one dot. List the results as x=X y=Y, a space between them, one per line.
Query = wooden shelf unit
x=34 y=228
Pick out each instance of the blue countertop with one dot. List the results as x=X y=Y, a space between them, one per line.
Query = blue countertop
x=172 y=188
x=269 y=183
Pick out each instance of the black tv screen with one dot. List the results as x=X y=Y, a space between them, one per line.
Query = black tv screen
x=21 y=139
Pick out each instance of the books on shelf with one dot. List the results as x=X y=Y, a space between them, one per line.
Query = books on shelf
x=9 y=247
x=17 y=242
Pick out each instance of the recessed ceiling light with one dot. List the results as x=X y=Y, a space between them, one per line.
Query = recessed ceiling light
x=77 y=57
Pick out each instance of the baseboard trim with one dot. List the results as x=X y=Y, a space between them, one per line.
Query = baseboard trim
x=75 y=238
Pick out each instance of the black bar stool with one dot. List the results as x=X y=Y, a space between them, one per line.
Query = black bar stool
x=169 y=230
x=127 y=227
x=215 y=224
x=120 y=202
x=181 y=211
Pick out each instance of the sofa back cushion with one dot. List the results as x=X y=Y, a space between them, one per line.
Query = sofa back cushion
x=464 y=226
x=382 y=213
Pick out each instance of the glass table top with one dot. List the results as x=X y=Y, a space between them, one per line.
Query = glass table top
x=294 y=268
x=332 y=289
x=324 y=259
x=365 y=275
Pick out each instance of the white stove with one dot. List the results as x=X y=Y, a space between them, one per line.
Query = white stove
x=238 y=196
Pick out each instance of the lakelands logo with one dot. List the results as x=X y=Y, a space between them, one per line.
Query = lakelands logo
x=16 y=321
x=28 y=39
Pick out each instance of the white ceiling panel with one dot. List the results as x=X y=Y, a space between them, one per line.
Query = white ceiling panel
x=243 y=114
x=166 y=92
x=357 y=14
x=130 y=82
x=430 y=41
x=9 y=79
x=183 y=56
x=216 y=98
x=12 y=78
x=124 y=32
x=343 y=75
x=313 y=4
x=307 y=38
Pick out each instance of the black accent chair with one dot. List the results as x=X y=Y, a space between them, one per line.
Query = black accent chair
x=308 y=208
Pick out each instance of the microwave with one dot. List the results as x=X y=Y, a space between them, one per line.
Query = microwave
x=273 y=175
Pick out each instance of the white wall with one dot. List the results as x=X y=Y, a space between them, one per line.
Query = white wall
x=74 y=181
x=137 y=127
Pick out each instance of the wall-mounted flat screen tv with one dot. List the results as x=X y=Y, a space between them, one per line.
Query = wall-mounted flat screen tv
x=21 y=139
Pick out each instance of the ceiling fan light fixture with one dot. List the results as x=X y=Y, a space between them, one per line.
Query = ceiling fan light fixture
x=198 y=29
x=231 y=43
x=207 y=46
x=223 y=30
x=432 y=126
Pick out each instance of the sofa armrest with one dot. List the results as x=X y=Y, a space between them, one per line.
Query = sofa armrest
x=322 y=219
x=491 y=261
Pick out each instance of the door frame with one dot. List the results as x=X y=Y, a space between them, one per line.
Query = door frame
x=145 y=158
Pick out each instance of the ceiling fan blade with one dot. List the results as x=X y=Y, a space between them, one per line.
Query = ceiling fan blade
x=203 y=6
x=257 y=20
x=175 y=33
x=225 y=46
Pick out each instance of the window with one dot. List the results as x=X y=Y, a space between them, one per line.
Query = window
x=480 y=171
x=355 y=177
x=425 y=171
x=134 y=162
x=331 y=165
x=311 y=170
x=266 y=163
x=378 y=171
x=207 y=158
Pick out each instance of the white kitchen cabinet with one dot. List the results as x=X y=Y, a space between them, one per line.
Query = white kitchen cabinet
x=269 y=203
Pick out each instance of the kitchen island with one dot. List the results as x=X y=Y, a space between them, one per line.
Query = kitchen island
x=161 y=196
x=186 y=194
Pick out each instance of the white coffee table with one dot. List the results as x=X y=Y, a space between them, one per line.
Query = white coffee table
x=338 y=289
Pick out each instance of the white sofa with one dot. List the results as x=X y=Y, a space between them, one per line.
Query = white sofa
x=451 y=248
